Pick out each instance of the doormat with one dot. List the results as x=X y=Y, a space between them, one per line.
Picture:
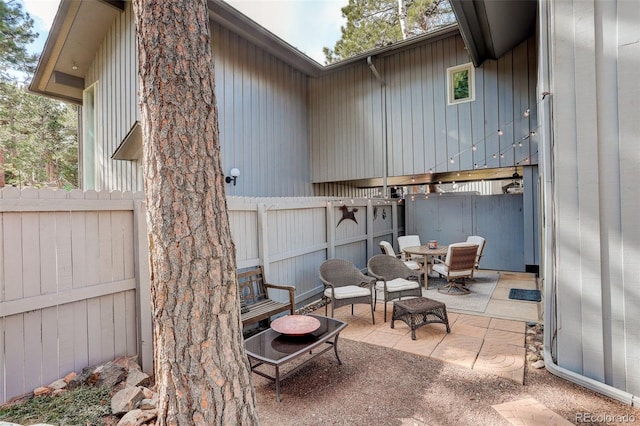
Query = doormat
x=528 y=295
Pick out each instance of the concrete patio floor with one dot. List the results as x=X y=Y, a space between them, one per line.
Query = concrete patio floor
x=492 y=341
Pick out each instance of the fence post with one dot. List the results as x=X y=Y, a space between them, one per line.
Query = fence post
x=143 y=284
x=370 y=229
x=394 y=222
x=263 y=239
x=331 y=231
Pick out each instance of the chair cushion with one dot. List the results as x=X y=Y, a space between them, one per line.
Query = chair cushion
x=441 y=268
x=398 y=284
x=412 y=264
x=347 y=292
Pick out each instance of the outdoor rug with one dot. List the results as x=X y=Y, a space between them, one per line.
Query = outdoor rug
x=528 y=295
x=476 y=301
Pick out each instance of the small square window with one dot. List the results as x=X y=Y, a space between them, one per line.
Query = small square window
x=461 y=84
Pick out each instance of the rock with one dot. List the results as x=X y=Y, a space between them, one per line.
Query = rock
x=532 y=357
x=148 y=404
x=110 y=375
x=531 y=331
x=538 y=364
x=148 y=393
x=128 y=363
x=58 y=384
x=58 y=392
x=137 y=417
x=86 y=377
x=136 y=377
x=126 y=400
x=42 y=390
x=70 y=376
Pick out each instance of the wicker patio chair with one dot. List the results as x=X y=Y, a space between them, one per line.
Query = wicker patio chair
x=393 y=278
x=457 y=266
x=387 y=249
x=344 y=284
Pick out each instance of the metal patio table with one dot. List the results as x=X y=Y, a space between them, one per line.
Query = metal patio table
x=272 y=348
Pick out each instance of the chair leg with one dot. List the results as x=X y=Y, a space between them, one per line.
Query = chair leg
x=385 y=309
x=373 y=317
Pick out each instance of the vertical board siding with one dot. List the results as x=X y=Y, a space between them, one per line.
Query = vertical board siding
x=114 y=69
x=263 y=119
x=595 y=179
x=423 y=132
x=47 y=255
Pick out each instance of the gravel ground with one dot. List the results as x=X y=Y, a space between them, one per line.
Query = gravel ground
x=381 y=386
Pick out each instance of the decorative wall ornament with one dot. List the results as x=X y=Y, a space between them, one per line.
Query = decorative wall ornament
x=347 y=214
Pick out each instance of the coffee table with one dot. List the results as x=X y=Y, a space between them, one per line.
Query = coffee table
x=272 y=348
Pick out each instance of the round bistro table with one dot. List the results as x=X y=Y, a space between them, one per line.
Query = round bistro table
x=426 y=252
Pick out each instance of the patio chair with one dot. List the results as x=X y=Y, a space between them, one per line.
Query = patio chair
x=393 y=278
x=344 y=284
x=387 y=249
x=474 y=239
x=409 y=241
x=457 y=266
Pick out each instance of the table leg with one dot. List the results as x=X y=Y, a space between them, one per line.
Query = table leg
x=277 y=384
x=426 y=272
x=335 y=349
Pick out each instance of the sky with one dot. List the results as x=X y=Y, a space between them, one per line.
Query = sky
x=307 y=25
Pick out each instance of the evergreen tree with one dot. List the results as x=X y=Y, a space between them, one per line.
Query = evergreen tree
x=38 y=137
x=202 y=373
x=376 y=23
x=16 y=33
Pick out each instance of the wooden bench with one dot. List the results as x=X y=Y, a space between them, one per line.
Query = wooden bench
x=255 y=303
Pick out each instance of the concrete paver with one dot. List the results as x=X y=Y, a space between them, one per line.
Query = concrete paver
x=529 y=412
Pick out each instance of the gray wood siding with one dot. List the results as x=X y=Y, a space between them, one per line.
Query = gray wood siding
x=348 y=115
x=263 y=119
x=114 y=69
x=594 y=58
x=262 y=107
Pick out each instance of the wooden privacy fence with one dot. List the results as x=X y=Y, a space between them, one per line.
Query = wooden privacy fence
x=69 y=275
x=74 y=272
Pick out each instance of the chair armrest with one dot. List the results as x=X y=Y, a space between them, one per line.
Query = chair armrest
x=281 y=287
x=438 y=260
x=291 y=289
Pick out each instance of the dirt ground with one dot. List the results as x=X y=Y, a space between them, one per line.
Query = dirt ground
x=381 y=386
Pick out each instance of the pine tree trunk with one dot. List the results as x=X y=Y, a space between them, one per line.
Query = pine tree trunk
x=201 y=369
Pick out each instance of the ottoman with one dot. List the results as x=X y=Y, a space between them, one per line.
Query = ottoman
x=418 y=312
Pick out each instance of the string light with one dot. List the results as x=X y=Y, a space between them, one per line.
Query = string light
x=500 y=152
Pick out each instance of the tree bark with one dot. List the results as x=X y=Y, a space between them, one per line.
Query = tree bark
x=201 y=369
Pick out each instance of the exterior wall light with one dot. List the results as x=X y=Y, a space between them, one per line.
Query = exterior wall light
x=234 y=175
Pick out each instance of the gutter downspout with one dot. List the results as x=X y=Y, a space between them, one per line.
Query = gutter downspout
x=385 y=160
x=545 y=82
